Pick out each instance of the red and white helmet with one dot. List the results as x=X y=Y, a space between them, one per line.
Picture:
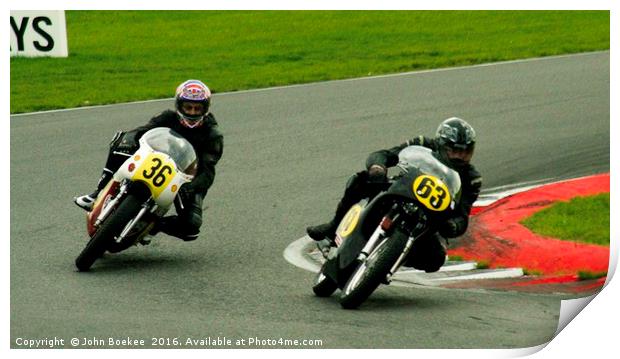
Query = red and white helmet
x=192 y=91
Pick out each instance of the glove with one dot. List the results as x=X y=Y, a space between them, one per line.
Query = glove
x=127 y=142
x=450 y=228
x=377 y=173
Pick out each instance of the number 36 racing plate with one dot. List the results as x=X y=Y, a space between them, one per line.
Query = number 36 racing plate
x=157 y=172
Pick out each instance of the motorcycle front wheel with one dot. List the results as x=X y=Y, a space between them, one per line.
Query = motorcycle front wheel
x=372 y=272
x=107 y=232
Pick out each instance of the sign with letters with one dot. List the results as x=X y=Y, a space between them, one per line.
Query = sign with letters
x=38 y=33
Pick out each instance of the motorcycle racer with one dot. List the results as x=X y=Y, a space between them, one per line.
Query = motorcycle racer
x=192 y=120
x=453 y=145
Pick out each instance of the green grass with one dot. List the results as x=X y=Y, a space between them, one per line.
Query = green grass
x=531 y=272
x=119 y=56
x=582 y=219
x=587 y=275
x=482 y=264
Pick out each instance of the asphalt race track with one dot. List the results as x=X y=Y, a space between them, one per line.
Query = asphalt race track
x=288 y=153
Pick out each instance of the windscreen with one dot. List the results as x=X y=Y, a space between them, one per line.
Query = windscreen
x=165 y=140
x=422 y=158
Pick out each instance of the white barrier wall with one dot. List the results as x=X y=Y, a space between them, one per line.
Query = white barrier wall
x=38 y=33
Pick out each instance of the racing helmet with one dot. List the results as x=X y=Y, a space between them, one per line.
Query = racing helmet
x=456 y=140
x=192 y=102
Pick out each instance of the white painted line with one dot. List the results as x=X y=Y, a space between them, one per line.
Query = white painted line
x=417 y=72
x=90 y=107
x=401 y=280
x=489 y=199
x=329 y=81
x=294 y=254
x=512 y=186
x=422 y=278
x=445 y=268
x=297 y=254
x=493 y=274
x=494 y=194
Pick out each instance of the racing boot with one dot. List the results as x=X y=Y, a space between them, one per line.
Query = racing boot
x=328 y=230
x=324 y=235
x=323 y=231
x=162 y=225
x=86 y=201
x=172 y=226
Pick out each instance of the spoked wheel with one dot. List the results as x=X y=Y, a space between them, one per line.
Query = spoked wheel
x=106 y=233
x=371 y=273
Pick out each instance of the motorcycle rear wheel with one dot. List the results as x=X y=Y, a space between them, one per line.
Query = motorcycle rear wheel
x=107 y=231
x=371 y=273
x=323 y=285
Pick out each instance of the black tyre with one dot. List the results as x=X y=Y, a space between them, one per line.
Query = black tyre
x=369 y=275
x=323 y=285
x=109 y=229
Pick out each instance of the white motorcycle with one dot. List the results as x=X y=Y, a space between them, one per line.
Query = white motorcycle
x=140 y=193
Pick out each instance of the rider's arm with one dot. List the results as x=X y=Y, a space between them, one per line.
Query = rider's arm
x=457 y=224
x=389 y=157
x=385 y=158
x=157 y=121
x=211 y=154
x=471 y=190
x=128 y=140
x=423 y=141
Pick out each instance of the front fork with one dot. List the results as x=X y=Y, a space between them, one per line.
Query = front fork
x=408 y=245
x=148 y=206
x=109 y=207
x=387 y=223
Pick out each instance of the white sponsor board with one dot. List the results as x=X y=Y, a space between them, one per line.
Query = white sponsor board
x=38 y=33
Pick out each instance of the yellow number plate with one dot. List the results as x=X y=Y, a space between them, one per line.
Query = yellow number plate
x=157 y=172
x=349 y=222
x=432 y=192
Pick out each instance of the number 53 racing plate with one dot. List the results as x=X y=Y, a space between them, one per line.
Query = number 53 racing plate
x=431 y=192
x=157 y=172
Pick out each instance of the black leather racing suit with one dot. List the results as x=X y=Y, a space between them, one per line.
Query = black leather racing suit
x=207 y=141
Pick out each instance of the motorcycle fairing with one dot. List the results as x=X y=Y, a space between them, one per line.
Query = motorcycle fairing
x=352 y=244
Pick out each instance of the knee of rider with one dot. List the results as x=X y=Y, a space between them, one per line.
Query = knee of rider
x=425 y=261
x=434 y=263
x=430 y=249
x=433 y=268
x=192 y=222
x=116 y=138
x=437 y=255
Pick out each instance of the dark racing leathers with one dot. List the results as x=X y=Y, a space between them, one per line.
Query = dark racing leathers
x=428 y=253
x=208 y=144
